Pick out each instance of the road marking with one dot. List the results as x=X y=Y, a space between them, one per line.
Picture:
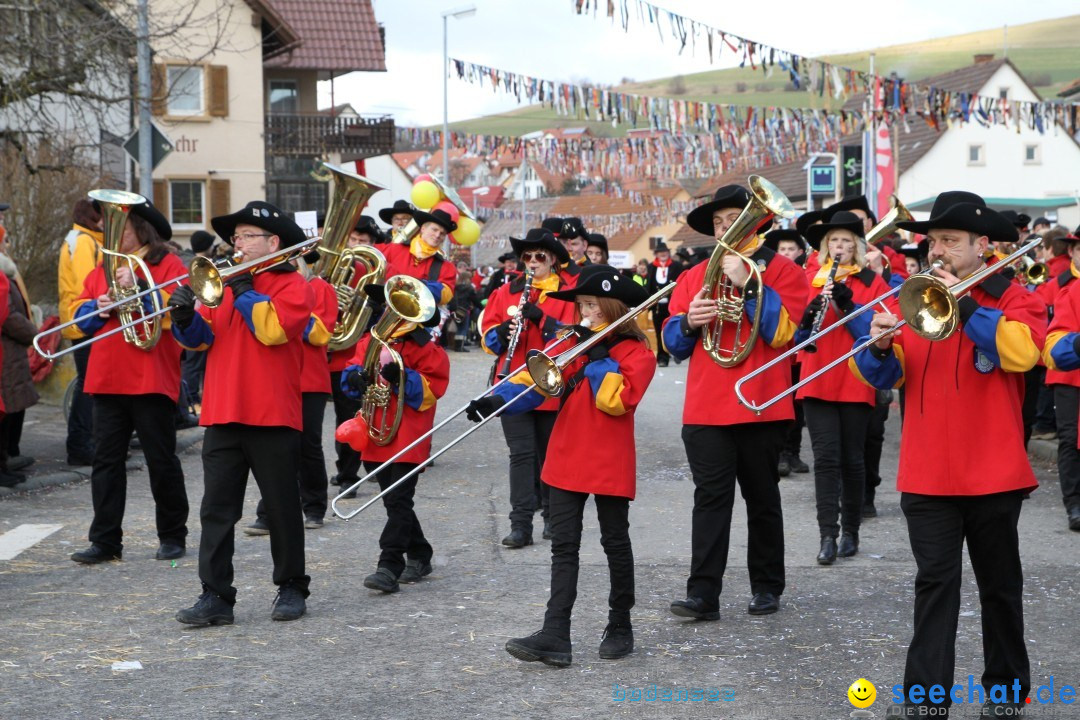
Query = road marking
x=22 y=538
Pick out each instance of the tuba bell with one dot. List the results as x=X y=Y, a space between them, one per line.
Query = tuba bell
x=766 y=202
x=337 y=262
x=887 y=225
x=143 y=328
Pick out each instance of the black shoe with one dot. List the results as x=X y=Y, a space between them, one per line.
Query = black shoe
x=11 y=479
x=542 y=646
x=183 y=422
x=170 y=551
x=662 y=363
x=351 y=495
x=80 y=460
x=95 y=554
x=618 y=641
x=797 y=465
x=259 y=527
x=289 y=604
x=382 y=579
x=1074 y=519
x=1002 y=710
x=764 y=603
x=19 y=462
x=313 y=523
x=209 y=609
x=517 y=539
x=414 y=570
x=784 y=466
x=547 y=530
x=849 y=544
x=868 y=510
x=827 y=554
x=693 y=607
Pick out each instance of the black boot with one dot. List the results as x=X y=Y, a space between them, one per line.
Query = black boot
x=542 y=646
x=783 y=467
x=797 y=465
x=382 y=579
x=849 y=544
x=459 y=345
x=518 y=538
x=827 y=554
x=618 y=641
x=209 y=609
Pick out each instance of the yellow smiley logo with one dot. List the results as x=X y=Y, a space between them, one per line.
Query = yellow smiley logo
x=862 y=693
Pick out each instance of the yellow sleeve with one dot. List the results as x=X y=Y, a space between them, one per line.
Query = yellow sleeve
x=1016 y=349
x=265 y=323
x=429 y=397
x=609 y=396
x=318 y=335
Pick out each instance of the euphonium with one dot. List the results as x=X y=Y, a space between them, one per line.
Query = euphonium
x=408 y=301
x=142 y=331
x=766 y=201
x=337 y=262
x=887 y=225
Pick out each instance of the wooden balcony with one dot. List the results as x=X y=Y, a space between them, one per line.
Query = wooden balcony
x=317 y=134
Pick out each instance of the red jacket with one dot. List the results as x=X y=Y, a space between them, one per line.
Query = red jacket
x=836 y=385
x=557 y=312
x=427 y=374
x=710 y=389
x=400 y=261
x=1061 y=275
x=255 y=351
x=315 y=378
x=1066 y=322
x=963 y=388
x=117 y=367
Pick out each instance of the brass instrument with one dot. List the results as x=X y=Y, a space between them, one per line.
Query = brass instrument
x=887 y=225
x=515 y=311
x=408 y=301
x=337 y=261
x=766 y=202
x=404 y=236
x=1032 y=272
x=141 y=327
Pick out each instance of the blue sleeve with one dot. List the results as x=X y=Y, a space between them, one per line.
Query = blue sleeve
x=346 y=388
x=509 y=390
x=859 y=326
x=245 y=303
x=981 y=328
x=307 y=328
x=197 y=335
x=491 y=341
x=1064 y=353
x=88 y=319
x=773 y=315
x=679 y=344
x=895 y=280
x=882 y=372
x=414 y=389
x=436 y=289
x=597 y=370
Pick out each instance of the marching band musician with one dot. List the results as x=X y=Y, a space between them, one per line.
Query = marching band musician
x=596 y=249
x=133 y=389
x=527 y=433
x=570 y=232
x=252 y=409
x=952 y=488
x=398 y=215
x=405 y=553
x=502 y=275
x=421 y=258
x=603 y=389
x=662 y=271
x=837 y=410
x=725 y=442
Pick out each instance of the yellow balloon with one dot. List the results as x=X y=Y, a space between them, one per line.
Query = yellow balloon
x=468 y=231
x=425 y=194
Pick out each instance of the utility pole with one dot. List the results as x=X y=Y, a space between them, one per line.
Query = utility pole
x=146 y=148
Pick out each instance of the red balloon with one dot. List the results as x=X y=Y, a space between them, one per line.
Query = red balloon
x=453 y=239
x=449 y=208
x=354 y=433
x=421 y=178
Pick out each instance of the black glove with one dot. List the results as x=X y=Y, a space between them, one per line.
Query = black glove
x=391 y=373
x=482 y=408
x=502 y=331
x=598 y=351
x=583 y=333
x=241 y=284
x=811 y=312
x=841 y=295
x=182 y=303
x=532 y=313
x=357 y=382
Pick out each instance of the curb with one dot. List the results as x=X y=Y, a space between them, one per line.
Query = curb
x=185 y=440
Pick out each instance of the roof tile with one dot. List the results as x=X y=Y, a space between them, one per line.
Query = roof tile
x=340 y=35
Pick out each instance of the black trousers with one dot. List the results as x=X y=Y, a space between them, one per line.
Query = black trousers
x=1067 y=408
x=345 y=408
x=613 y=514
x=402 y=535
x=115 y=416
x=312 y=476
x=272 y=455
x=875 y=439
x=937 y=529
x=659 y=315
x=192 y=371
x=80 y=429
x=1044 y=407
x=1033 y=380
x=838 y=437
x=527 y=437
x=720 y=456
x=11 y=427
x=793 y=436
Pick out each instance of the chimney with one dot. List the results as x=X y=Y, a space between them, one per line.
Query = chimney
x=981 y=58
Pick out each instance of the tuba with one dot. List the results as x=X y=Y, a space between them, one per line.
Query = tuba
x=408 y=301
x=143 y=329
x=887 y=225
x=766 y=201
x=337 y=262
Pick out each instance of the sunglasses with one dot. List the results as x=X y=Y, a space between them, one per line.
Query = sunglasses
x=539 y=255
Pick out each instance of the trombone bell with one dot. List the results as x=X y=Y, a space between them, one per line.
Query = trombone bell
x=546 y=374
x=929 y=307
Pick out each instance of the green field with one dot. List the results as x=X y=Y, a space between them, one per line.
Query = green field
x=1047 y=52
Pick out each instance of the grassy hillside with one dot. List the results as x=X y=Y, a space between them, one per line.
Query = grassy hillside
x=1047 y=52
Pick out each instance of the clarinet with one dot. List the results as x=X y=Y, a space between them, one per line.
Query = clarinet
x=526 y=293
x=819 y=319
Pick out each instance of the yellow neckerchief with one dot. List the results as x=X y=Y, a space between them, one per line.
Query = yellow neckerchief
x=842 y=272
x=1000 y=255
x=1074 y=270
x=599 y=327
x=420 y=250
x=548 y=284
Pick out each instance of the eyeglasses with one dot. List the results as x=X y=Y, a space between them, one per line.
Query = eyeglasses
x=539 y=255
x=248 y=236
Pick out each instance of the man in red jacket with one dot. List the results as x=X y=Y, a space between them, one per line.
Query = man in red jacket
x=251 y=409
x=953 y=489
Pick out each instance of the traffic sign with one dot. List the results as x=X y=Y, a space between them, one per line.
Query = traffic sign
x=823 y=179
x=160 y=145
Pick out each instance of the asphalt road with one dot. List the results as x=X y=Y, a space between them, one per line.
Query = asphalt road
x=436 y=648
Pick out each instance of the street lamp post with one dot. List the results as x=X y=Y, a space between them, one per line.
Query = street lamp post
x=459 y=13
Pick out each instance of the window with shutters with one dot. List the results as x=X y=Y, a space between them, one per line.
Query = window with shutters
x=187 y=90
x=187 y=203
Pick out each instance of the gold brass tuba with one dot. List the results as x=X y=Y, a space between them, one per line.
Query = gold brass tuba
x=143 y=331
x=337 y=261
x=887 y=225
x=407 y=301
x=766 y=201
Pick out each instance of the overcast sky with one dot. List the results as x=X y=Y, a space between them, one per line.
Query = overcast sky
x=545 y=38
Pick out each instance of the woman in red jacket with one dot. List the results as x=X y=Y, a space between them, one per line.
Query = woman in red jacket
x=603 y=388
x=837 y=410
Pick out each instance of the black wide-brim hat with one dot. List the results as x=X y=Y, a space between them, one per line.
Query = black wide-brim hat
x=807 y=219
x=400 y=207
x=858 y=202
x=842 y=220
x=376 y=293
x=262 y=215
x=728 y=196
x=543 y=239
x=201 y=241
x=152 y=215
x=439 y=217
x=961 y=210
x=597 y=240
x=660 y=247
x=367 y=224
x=604 y=281
x=773 y=238
x=507 y=256
x=919 y=250
x=1019 y=220
x=552 y=224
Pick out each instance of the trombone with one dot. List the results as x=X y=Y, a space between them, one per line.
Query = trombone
x=927 y=304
